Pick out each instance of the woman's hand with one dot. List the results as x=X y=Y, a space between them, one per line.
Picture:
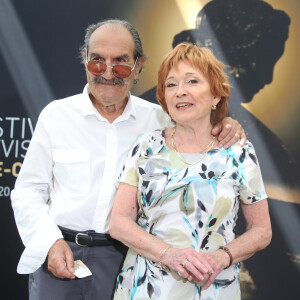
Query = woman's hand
x=221 y=261
x=190 y=264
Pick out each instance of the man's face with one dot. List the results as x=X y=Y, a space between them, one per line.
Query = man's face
x=111 y=44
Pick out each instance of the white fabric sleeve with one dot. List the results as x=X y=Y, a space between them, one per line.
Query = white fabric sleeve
x=30 y=201
x=251 y=183
x=129 y=172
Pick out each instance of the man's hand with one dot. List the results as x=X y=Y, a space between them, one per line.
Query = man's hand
x=60 y=260
x=230 y=131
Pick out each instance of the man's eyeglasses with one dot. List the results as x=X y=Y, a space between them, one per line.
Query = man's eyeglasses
x=97 y=67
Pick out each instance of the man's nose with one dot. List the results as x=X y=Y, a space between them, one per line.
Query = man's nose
x=108 y=74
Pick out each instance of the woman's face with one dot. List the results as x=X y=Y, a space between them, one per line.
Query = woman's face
x=188 y=95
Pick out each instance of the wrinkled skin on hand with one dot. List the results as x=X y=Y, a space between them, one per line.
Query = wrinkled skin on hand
x=202 y=268
x=230 y=131
x=60 y=260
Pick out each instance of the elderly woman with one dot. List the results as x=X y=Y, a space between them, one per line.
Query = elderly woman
x=179 y=193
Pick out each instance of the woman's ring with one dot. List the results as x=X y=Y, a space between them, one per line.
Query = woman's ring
x=210 y=273
x=184 y=263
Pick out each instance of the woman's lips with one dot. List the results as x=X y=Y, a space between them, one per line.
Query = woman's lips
x=183 y=105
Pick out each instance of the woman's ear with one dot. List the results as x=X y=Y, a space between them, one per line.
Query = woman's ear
x=216 y=100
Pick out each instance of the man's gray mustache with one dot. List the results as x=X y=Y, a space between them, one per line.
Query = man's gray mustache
x=115 y=80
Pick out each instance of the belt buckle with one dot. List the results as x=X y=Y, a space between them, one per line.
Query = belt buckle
x=76 y=238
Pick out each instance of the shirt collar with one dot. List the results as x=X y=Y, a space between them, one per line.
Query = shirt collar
x=88 y=108
x=129 y=110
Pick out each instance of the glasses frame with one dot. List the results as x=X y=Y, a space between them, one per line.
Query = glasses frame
x=107 y=66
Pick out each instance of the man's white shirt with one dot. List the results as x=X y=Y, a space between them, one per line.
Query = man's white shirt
x=68 y=174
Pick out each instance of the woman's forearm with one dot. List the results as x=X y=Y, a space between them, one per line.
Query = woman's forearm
x=257 y=236
x=132 y=235
x=248 y=244
x=124 y=228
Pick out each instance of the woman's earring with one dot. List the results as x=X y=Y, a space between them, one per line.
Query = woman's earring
x=213 y=107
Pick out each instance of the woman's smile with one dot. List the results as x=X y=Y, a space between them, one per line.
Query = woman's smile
x=183 y=105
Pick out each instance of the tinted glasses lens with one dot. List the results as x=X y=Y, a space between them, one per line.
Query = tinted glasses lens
x=96 y=67
x=121 y=71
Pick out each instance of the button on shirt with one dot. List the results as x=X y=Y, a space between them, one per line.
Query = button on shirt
x=68 y=174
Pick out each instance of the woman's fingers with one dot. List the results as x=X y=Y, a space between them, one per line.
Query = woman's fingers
x=207 y=261
x=192 y=270
x=216 y=263
x=194 y=266
x=198 y=267
x=209 y=281
x=201 y=268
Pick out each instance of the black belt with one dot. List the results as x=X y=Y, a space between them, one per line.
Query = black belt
x=88 y=238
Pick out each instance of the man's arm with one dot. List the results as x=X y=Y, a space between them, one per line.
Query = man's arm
x=30 y=202
x=229 y=131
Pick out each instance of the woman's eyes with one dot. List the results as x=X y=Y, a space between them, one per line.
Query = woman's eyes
x=170 y=85
x=194 y=81
x=186 y=82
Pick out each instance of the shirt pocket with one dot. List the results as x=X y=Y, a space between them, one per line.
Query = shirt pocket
x=71 y=171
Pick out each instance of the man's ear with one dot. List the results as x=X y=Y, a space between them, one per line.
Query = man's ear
x=140 y=64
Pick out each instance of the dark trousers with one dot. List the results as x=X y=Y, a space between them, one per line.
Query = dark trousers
x=104 y=263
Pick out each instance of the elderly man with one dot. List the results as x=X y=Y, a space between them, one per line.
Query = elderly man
x=64 y=193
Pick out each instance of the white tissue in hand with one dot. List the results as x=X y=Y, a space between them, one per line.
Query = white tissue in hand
x=81 y=270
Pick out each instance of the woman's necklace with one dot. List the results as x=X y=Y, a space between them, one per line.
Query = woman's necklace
x=205 y=150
